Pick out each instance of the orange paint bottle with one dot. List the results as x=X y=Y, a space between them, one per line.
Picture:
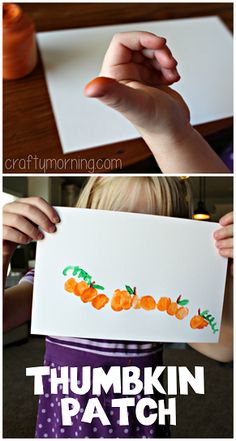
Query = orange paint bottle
x=19 y=43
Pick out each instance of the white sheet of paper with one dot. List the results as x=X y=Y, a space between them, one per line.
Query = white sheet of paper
x=71 y=58
x=160 y=256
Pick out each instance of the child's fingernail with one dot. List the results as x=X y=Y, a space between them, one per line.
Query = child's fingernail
x=222 y=221
x=56 y=219
x=52 y=229
x=40 y=236
x=172 y=75
x=216 y=234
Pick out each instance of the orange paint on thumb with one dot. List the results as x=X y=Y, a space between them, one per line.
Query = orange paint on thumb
x=98 y=87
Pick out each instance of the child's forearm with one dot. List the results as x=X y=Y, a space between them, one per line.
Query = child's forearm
x=187 y=154
x=17 y=303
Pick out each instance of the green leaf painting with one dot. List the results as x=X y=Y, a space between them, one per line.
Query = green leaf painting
x=210 y=319
x=129 y=289
x=88 y=279
x=98 y=287
x=183 y=302
x=68 y=268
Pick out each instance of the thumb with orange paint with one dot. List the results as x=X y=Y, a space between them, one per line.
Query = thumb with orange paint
x=150 y=110
x=129 y=101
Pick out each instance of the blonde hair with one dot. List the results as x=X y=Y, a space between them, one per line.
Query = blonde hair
x=165 y=196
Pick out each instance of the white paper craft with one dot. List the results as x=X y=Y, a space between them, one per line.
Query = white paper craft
x=160 y=256
x=71 y=58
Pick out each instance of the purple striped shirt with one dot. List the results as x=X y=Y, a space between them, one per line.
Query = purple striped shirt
x=112 y=348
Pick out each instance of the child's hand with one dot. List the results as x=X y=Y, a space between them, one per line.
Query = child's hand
x=224 y=237
x=22 y=219
x=140 y=66
x=137 y=70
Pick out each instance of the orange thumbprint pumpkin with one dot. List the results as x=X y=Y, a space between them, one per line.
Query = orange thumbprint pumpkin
x=88 y=295
x=121 y=300
x=163 y=303
x=136 y=302
x=116 y=302
x=70 y=284
x=172 y=308
x=181 y=313
x=80 y=288
x=198 y=322
x=126 y=300
x=100 y=301
x=148 y=303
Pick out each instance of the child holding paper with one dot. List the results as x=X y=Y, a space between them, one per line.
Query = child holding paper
x=136 y=72
x=151 y=195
